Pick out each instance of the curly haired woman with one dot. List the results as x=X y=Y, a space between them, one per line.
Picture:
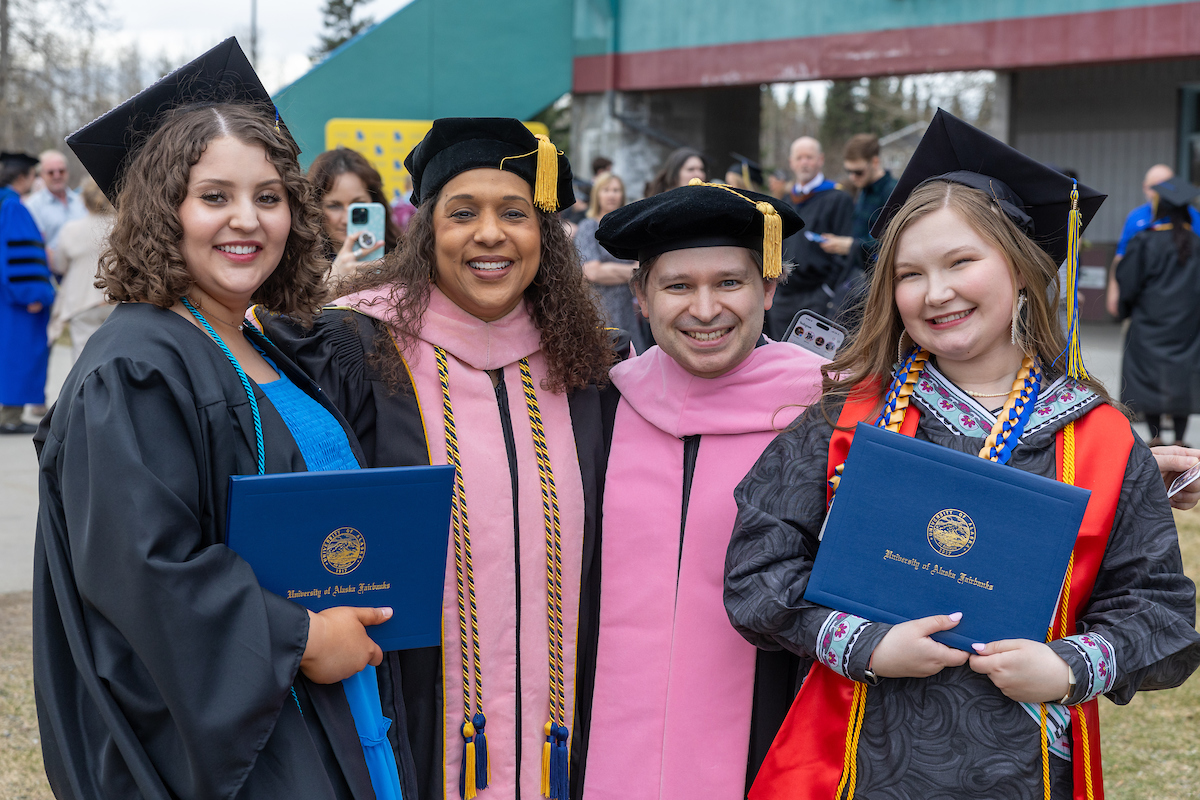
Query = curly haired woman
x=479 y=344
x=162 y=667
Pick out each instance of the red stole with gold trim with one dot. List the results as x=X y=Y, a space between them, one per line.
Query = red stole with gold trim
x=815 y=745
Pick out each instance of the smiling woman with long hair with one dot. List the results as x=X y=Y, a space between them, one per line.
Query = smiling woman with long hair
x=960 y=346
x=478 y=344
x=162 y=667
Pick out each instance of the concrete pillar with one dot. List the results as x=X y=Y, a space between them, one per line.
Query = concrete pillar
x=1000 y=124
x=637 y=130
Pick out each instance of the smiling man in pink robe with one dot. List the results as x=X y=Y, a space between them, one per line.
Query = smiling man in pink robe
x=678 y=692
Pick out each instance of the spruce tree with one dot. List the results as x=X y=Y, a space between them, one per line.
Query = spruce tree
x=340 y=25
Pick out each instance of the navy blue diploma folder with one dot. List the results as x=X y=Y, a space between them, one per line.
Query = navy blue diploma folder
x=362 y=537
x=917 y=529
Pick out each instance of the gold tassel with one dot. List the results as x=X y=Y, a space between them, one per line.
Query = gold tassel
x=772 y=240
x=469 y=787
x=546 y=761
x=545 y=185
x=1075 y=367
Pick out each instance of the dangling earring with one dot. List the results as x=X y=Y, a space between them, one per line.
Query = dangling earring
x=900 y=348
x=1018 y=316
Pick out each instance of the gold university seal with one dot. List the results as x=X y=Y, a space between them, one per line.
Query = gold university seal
x=343 y=550
x=951 y=532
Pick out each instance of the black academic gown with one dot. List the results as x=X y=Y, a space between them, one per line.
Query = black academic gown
x=161 y=668
x=819 y=281
x=339 y=352
x=1160 y=373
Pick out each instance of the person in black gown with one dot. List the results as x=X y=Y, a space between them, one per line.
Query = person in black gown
x=161 y=668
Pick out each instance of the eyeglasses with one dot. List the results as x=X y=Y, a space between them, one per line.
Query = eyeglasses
x=54 y=172
x=856 y=173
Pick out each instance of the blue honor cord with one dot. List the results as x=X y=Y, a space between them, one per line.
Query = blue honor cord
x=241 y=373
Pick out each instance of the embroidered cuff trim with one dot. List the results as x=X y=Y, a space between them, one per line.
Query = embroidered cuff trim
x=1100 y=661
x=836 y=640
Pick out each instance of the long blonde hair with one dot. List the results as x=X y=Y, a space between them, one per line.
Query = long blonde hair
x=593 y=211
x=868 y=358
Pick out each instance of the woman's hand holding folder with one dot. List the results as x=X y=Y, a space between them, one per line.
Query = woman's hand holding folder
x=906 y=651
x=338 y=645
x=1024 y=670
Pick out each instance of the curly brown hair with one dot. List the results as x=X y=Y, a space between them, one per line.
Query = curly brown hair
x=564 y=308
x=143 y=262
x=325 y=169
x=870 y=355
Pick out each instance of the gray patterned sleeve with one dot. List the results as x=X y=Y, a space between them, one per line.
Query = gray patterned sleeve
x=1142 y=602
x=781 y=507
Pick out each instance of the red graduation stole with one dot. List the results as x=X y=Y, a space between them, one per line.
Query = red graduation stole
x=813 y=756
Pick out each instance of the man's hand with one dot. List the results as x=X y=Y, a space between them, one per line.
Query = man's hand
x=1024 y=670
x=1173 y=461
x=906 y=651
x=837 y=245
x=34 y=308
x=338 y=644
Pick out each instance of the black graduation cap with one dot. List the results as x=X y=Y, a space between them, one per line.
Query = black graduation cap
x=701 y=215
x=23 y=160
x=458 y=144
x=1034 y=196
x=1175 y=193
x=222 y=75
x=750 y=171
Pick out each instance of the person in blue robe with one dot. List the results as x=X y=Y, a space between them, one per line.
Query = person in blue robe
x=26 y=294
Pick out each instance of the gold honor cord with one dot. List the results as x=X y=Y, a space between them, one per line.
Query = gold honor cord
x=475 y=771
x=891 y=417
x=1068 y=477
x=555 y=760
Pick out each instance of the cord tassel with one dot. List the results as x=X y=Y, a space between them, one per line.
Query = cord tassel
x=772 y=240
x=546 y=749
x=466 y=776
x=545 y=184
x=483 y=767
x=559 y=780
x=1075 y=367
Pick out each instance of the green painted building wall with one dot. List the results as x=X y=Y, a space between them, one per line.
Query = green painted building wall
x=644 y=25
x=438 y=59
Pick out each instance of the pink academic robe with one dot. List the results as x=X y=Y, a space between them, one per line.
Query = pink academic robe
x=474 y=346
x=674 y=681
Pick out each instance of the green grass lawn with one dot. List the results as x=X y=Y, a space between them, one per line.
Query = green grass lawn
x=1151 y=746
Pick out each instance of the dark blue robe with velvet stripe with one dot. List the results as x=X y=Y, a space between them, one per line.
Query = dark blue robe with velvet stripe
x=24 y=280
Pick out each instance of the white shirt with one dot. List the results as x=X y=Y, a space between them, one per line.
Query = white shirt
x=805 y=188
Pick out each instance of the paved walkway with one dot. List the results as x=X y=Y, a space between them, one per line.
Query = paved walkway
x=18 y=467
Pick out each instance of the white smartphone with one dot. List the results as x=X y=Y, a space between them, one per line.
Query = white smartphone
x=816 y=334
x=364 y=225
x=1181 y=483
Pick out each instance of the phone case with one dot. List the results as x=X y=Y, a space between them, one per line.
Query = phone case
x=373 y=225
x=816 y=334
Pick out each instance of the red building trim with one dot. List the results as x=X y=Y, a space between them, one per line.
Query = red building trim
x=1128 y=34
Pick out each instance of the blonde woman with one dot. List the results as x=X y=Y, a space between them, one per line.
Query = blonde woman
x=610 y=276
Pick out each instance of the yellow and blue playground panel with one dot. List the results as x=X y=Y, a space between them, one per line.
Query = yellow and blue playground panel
x=385 y=143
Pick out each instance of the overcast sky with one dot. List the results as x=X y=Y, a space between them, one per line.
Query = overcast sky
x=287 y=30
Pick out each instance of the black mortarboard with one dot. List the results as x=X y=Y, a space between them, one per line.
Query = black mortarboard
x=1034 y=196
x=701 y=215
x=457 y=144
x=24 y=161
x=1175 y=193
x=751 y=172
x=222 y=75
